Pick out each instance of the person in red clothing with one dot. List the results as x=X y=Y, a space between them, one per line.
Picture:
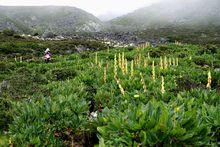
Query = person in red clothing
x=47 y=55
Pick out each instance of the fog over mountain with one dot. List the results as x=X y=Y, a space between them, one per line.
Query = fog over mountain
x=40 y=19
x=172 y=13
x=108 y=16
x=95 y=7
x=66 y=19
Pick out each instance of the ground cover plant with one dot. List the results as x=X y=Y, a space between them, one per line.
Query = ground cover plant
x=146 y=96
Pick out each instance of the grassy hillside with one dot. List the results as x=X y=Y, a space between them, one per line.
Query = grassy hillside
x=143 y=97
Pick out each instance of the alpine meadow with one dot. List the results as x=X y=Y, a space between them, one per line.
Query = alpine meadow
x=150 y=77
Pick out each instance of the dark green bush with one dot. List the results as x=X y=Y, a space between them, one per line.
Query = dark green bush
x=163 y=48
x=5 y=112
x=156 y=53
x=3 y=67
x=130 y=48
x=84 y=55
x=201 y=61
x=18 y=36
x=8 y=32
x=63 y=74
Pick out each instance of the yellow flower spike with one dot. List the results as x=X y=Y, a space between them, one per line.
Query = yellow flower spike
x=105 y=74
x=153 y=71
x=100 y=64
x=175 y=82
x=21 y=59
x=148 y=55
x=132 y=68
x=143 y=83
x=10 y=142
x=165 y=63
x=145 y=63
x=174 y=62
x=96 y=58
x=147 y=45
x=170 y=61
x=161 y=63
x=209 y=80
x=119 y=60
x=115 y=67
x=120 y=87
x=122 y=60
x=162 y=86
x=177 y=62
x=126 y=66
x=123 y=63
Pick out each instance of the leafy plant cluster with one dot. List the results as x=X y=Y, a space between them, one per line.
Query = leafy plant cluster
x=54 y=104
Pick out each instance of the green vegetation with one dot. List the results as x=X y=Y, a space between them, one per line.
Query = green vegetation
x=30 y=49
x=203 y=35
x=137 y=104
x=8 y=32
x=3 y=140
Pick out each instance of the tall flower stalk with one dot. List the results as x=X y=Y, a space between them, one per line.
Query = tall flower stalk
x=96 y=58
x=209 y=80
x=165 y=63
x=115 y=67
x=120 y=87
x=161 y=63
x=132 y=68
x=105 y=74
x=153 y=71
x=162 y=86
x=143 y=83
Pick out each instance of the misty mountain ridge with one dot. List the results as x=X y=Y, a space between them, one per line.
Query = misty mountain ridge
x=172 y=13
x=68 y=20
x=40 y=19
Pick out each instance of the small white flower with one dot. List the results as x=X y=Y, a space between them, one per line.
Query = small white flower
x=94 y=114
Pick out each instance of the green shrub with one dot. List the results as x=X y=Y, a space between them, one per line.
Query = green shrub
x=154 y=124
x=201 y=61
x=5 y=67
x=8 y=32
x=5 y=112
x=18 y=36
x=24 y=83
x=84 y=55
x=208 y=49
x=50 y=122
x=63 y=74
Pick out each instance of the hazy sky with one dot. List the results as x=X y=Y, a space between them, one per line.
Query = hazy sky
x=96 y=7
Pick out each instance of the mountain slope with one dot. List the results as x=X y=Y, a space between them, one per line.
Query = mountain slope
x=57 y=19
x=172 y=13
